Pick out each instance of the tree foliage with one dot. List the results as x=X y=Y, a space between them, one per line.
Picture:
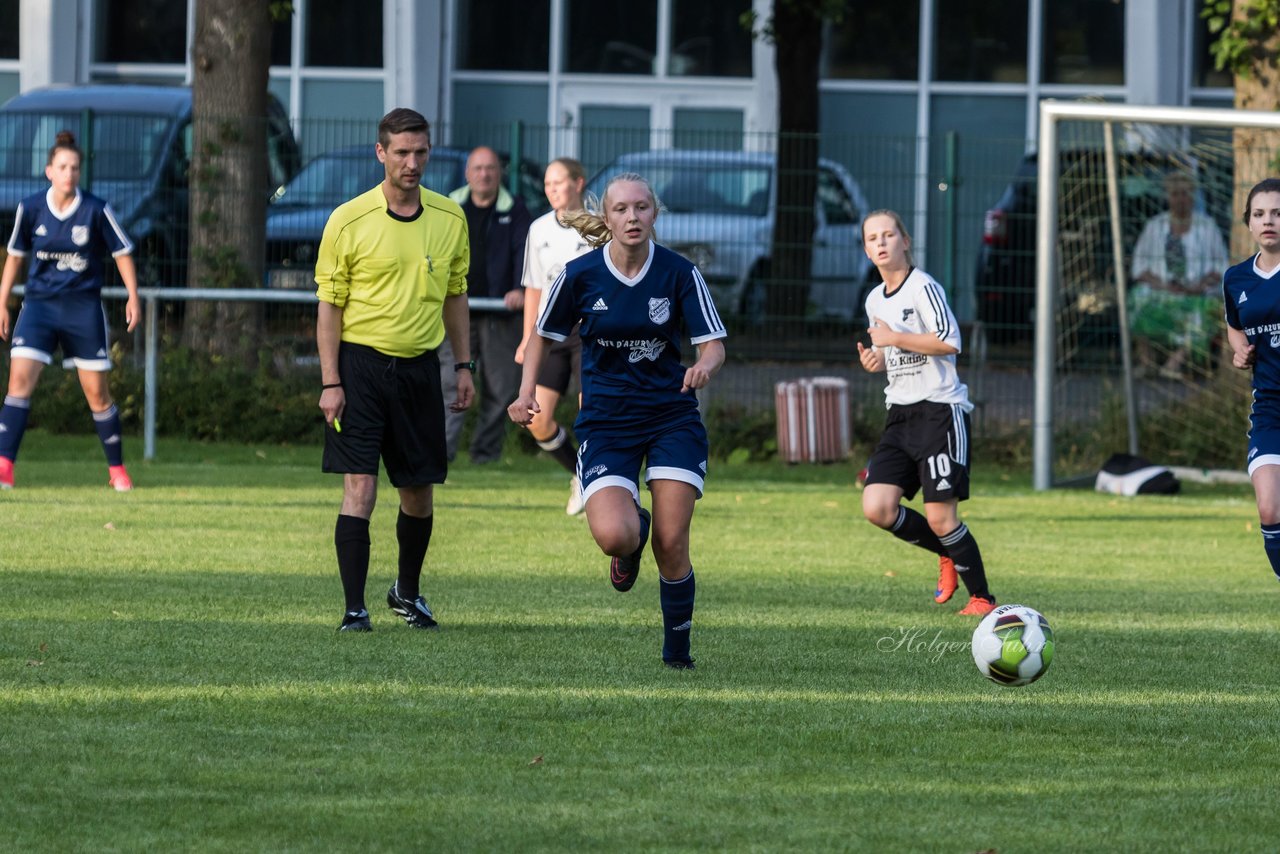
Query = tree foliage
x=1246 y=35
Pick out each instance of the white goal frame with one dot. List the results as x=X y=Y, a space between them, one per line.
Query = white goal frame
x=1052 y=112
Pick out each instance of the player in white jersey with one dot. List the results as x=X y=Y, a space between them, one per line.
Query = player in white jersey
x=64 y=234
x=634 y=301
x=1251 y=293
x=552 y=244
x=915 y=339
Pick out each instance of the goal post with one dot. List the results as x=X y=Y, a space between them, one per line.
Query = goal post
x=1053 y=265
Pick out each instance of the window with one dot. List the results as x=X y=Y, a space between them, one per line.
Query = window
x=1205 y=73
x=837 y=207
x=1084 y=41
x=878 y=41
x=282 y=40
x=151 y=31
x=504 y=35
x=611 y=36
x=9 y=29
x=341 y=34
x=709 y=40
x=981 y=41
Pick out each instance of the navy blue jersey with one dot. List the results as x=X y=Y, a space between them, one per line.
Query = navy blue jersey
x=631 y=329
x=1252 y=302
x=67 y=249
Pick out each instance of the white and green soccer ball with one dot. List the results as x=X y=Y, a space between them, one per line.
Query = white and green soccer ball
x=1013 y=645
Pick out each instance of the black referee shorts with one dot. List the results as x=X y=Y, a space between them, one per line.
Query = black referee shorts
x=926 y=445
x=395 y=411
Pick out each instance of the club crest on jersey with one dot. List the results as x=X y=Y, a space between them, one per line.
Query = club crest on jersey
x=79 y=234
x=906 y=314
x=1275 y=340
x=659 y=309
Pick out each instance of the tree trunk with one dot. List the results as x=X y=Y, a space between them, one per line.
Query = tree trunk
x=231 y=53
x=797 y=41
x=1256 y=150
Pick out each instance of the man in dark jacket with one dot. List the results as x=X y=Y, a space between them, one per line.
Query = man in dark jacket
x=498 y=224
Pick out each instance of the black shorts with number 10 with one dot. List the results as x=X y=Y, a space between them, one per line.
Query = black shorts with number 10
x=926 y=445
x=395 y=411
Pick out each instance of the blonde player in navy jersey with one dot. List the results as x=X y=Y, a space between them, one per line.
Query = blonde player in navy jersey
x=915 y=339
x=1251 y=294
x=633 y=299
x=66 y=232
x=550 y=245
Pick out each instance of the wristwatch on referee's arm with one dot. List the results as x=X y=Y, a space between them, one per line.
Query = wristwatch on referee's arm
x=470 y=366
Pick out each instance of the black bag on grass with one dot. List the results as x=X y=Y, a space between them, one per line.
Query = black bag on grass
x=1126 y=474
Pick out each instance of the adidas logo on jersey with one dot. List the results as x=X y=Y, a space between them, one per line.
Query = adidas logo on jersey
x=101 y=353
x=600 y=306
x=944 y=484
x=1243 y=299
x=41 y=231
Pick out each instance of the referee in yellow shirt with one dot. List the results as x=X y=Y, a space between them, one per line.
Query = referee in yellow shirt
x=391 y=276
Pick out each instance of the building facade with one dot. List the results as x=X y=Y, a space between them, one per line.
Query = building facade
x=918 y=98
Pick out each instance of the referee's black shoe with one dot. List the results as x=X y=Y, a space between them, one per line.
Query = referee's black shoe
x=623 y=570
x=356 y=621
x=680 y=663
x=416 y=612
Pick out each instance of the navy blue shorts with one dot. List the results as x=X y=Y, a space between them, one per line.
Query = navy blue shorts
x=924 y=444
x=1264 y=435
x=678 y=452
x=394 y=411
x=76 y=323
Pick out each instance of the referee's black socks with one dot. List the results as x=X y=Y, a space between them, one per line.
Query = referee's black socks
x=962 y=548
x=351 y=539
x=414 y=535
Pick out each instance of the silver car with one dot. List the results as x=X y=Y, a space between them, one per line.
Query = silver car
x=718 y=210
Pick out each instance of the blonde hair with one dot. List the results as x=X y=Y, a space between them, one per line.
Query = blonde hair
x=898 y=223
x=590 y=221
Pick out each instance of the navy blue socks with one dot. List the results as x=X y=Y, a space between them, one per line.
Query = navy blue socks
x=1270 y=542
x=107 y=423
x=677 y=617
x=13 y=423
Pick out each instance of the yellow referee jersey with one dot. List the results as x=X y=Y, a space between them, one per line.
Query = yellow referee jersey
x=390 y=277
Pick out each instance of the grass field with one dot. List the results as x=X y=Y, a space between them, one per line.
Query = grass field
x=170 y=677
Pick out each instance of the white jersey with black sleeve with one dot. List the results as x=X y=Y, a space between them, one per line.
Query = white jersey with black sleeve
x=548 y=248
x=918 y=305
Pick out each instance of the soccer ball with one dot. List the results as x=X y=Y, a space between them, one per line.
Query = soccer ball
x=1013 y=645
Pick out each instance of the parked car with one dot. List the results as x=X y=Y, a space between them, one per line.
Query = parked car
x=718 y=211
x=1005 y=279
x=137 y=145
x=299 y=209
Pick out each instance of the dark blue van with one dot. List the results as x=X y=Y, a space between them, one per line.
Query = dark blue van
x=137 y=142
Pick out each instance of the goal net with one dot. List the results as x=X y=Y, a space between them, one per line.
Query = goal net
x=1137 y=216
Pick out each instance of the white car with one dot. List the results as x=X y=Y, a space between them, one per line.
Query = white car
x=718 y=211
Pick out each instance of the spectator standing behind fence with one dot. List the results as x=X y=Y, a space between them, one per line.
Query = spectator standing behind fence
x=1251 y=295
x=1177 y=264
x=915 y=339
x=498 y=224
x=550 y=246
x=639 y=406
x=391 y=279
x=67 y=232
